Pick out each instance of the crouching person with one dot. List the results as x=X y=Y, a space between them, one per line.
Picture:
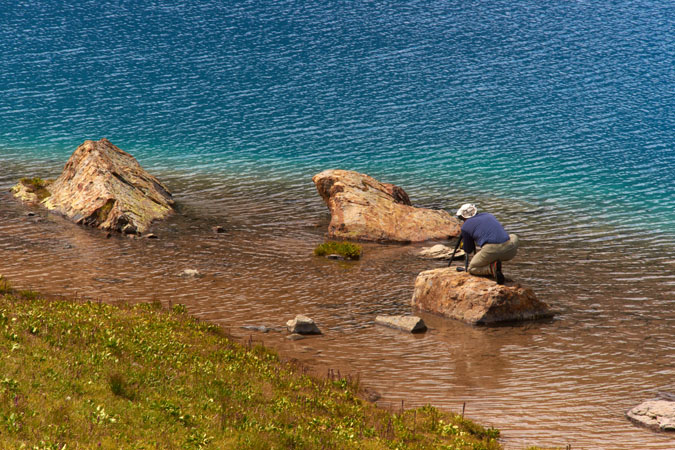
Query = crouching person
x=485 y=231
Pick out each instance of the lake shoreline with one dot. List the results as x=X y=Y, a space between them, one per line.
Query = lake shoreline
x=261 y=271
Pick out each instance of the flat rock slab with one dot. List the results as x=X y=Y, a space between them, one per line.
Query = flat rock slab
x=102 y=186
x=364 y=209
x=658 y=415
x=302 y=325
x=411 y=324
x=440 y=251
x=475 y=300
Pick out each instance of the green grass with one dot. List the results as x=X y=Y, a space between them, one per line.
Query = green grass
x=344 y=249
x=93 y=375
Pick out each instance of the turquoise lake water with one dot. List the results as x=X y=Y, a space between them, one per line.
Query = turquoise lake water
x=565 y=106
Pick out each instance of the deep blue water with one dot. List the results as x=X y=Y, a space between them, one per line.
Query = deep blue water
x=566 y=106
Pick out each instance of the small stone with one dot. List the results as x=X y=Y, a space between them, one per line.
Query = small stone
x=412 y=324
x=302 y=325
x=334 y=256
x=190 y=273
x=372 y=395
x=260 y=328
x=659 y=415
x=30 y=214
x=129 y=229
x=218 y=229
x=295 y=337
x=151 y=236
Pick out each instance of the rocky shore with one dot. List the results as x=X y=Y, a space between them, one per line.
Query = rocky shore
x=202 y=288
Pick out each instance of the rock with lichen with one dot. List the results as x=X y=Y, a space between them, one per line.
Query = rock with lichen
x=102 y=186
x=363 y=208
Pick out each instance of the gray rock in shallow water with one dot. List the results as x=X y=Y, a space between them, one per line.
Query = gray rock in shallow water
x=260 y=328
x=302 y=325
x=295 y=337
x=412 y=324
x=655 y=414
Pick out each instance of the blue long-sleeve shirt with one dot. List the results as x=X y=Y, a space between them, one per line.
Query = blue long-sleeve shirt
x=481 y=229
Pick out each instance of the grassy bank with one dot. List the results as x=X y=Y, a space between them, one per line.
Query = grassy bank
x=89 y=375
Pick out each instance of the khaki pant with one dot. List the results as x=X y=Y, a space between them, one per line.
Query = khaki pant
x=480 y=263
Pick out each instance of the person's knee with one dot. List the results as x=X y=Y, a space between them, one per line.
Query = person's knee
x=474 y=270
x=508 y=256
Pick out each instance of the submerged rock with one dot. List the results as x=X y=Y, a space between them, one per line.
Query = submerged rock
x=190 y=273
x=302 y=325
x=362 y=208
x=658 y=415
x=412 y=324
x=102 y=186
x=295 y=337
x=475 y=300
x=259 y=328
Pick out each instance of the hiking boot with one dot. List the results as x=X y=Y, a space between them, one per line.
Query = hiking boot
x=499 y=276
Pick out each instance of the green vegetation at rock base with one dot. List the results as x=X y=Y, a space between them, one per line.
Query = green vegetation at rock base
x=344 y=249
x=37 y=186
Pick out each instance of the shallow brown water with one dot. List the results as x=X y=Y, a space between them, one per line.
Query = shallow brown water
x=553 y=383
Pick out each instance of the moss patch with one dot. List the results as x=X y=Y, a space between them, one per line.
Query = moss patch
x=103 y=211
x=37 y=186
x=344 y=249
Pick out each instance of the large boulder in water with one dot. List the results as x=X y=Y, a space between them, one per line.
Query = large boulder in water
x=103 y=186
x=362 y=208
x=475 y=300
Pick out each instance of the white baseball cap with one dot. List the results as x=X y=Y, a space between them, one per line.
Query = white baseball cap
x=467 y=210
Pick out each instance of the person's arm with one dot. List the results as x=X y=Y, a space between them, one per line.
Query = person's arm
x=469 y=245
